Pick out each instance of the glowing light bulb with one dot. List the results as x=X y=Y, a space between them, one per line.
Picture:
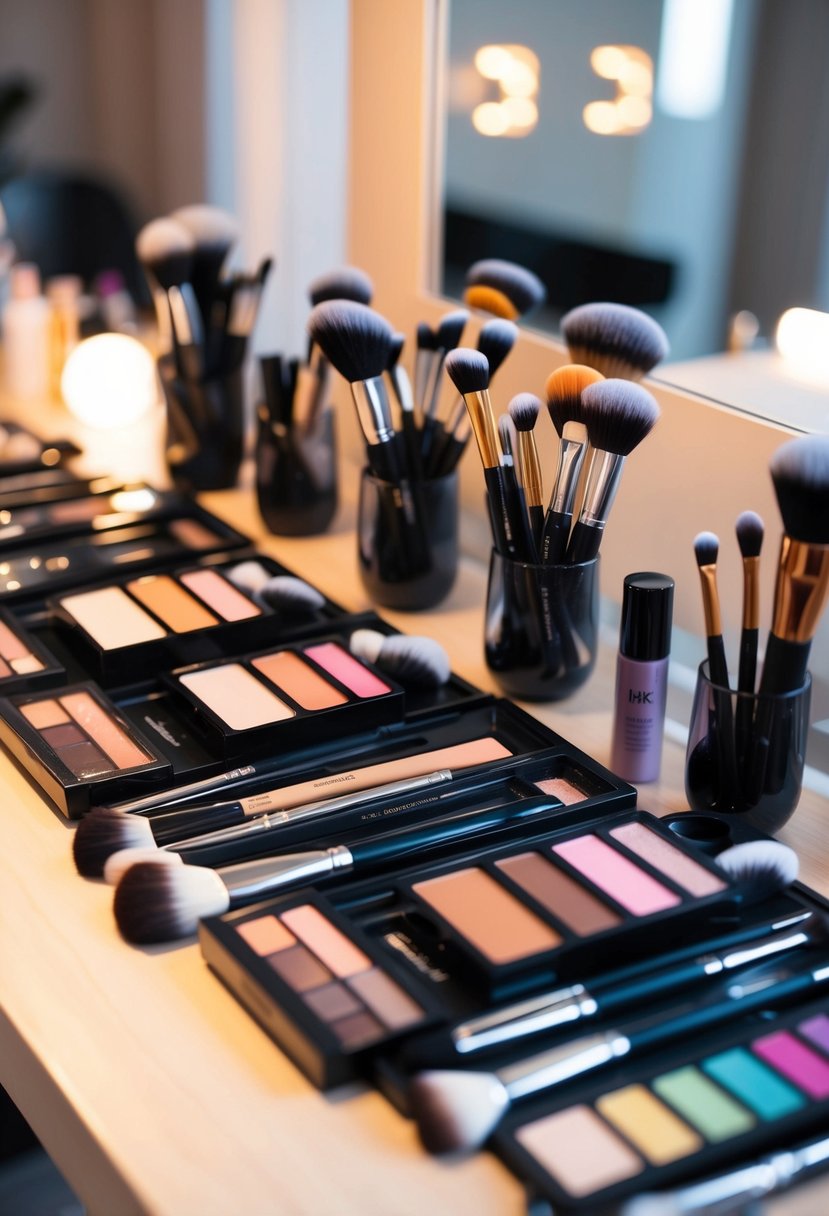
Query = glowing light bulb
x=802 y=339
x=109 y=381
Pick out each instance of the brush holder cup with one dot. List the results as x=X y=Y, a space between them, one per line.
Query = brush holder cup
x=407 y=540
x=541 y=628
x=746 y=752
x=296 y=474
x=205 y=428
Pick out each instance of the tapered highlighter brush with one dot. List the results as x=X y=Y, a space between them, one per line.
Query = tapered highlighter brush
x=495 y=341
x=524 y=410
x=564 y=388
x=159 y=902
x=502 y=288
x=619 y=341
x=458 y=1110
x=214 y=232
x=618 y=416
x=761 y=868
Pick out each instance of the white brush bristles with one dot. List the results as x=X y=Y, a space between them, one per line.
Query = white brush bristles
x=455 y=1109
x=208 y=225
x=163 y=238
x=406 y=657
x=765 y=862
x=117 y=865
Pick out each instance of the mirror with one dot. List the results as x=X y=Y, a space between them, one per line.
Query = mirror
x=664 y=153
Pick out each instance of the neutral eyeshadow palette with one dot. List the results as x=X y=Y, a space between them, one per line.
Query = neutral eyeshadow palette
x=496 y=921
x=25 y=662
x=104 y=506
x=713 y=1101
x=22 y=452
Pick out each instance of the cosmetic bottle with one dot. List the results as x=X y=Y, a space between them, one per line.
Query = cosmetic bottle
x=63 y=294
x=26 y=335
x=642 y=676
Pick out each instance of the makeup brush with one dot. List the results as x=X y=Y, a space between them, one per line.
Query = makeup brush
x=749 y=529
x=469 y=372
x=706 y=549
x=759 y=869
x=155 y=903
x=424 y=354
x=214 y=232
x=618 y=416
x=412 y=660
x=503 y=288
x=447 y=337
x=165 y=250
x=455 y=1109
x=495 y=341
x=738 y=1190
x=619 y=341
x=280 y=591
x=402 y=389
x=564 y=388
x=515 y=496
x=342 y=283
x=524 y=410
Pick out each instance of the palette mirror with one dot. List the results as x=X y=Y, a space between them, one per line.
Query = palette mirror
x=643 y=151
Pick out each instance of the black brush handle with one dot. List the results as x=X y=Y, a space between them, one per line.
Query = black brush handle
x=585 y=542
x=431 y=433
x=536 y=515
x=784 y=671
x=746 y=677
x=723 y=722
x=554 y=535
x=499 y=517
x=519 y=521
x=785 y=665
x=747 y=673
x=449 y=457
x=411 y=446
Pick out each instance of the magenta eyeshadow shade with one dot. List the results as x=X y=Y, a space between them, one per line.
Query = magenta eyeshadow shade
x=816 y=1029
x=796 y=1062
x=616 y=875
x=348 y=670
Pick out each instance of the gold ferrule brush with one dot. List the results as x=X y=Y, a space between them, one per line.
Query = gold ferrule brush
x=801 y=590
x=479 y=408
x=710 y=601
x=530 y=469
x=751 y=592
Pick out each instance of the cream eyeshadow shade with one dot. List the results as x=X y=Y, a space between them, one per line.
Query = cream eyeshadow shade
x=113 y=619
x=220 y=595
x=236 y=696
x=487 y=915
x=580 y=1151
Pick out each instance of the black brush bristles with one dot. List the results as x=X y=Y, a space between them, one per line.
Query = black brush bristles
x=103 y=832
x=425 y=336
x=344 y=283
x=468 y=370
x=618 y=415
x=522 y=288
x=800 y=472
x=162 y=903
x=750 y=530
x=619 y=341
x=395 y=350
x=450 y=329
x=524 y=410
x=354 y=338
x=495 y=341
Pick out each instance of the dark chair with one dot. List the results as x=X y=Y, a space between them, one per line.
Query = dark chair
x=72 y=224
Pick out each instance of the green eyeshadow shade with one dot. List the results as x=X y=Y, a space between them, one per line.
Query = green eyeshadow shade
x=754 y=1084
x=703 y=1104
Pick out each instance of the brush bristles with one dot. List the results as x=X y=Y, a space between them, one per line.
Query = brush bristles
x=618 y=415
x=760 y=867
x=344 y=283
x=495 y=341
x=287 y=593
x=454 y=1109
x=250 y=576
x=162 y=239
x=397 y=344
x=353 y=337
x=103 y=832
x=162 y=903
x=524 y=410
x=521 y=287
x=564 y=388
x=619 y=341
x=489 y=299
x=706 y=548
x=209 y=226
x=425 y=336
x=749 y=529
x=800 y=472
x=468 y=370
x=410 y=659
x=450 y=330
x=506 y=434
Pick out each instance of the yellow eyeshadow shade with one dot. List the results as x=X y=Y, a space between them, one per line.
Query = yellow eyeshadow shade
x=649 y=1125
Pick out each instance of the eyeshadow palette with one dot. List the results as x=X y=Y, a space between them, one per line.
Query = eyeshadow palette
x=103 y=507
x=489 y=922
x=288 y=697
x=21 y=451
x=709 y=1104
x=49 y=485
x=25 y=663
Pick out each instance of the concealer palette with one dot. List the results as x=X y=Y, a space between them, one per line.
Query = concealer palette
x=714 y=1101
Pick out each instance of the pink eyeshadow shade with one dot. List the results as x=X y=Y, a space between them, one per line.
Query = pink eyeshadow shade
x=104 y=730
x=11 y=647
x=220 y=595
x=816 y=1029
x=664 y=856
x=266 y=935
x=562 y=789
x=340 y=664
x=618 y=877
x=331 y=946
x=795 y=1061
x=579 y=1150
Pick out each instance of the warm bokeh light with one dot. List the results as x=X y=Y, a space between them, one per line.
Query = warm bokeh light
x=109 y=381
x=608 y=61
x=521 y=112
x=602 y=118
x=490 y=118
x=493 y=61
x=634 y=112
x=630 y=110
x=516 y=70
x=802 y=339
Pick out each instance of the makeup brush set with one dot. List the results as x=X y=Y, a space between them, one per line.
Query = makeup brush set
x=746 y=749
x=205 y=320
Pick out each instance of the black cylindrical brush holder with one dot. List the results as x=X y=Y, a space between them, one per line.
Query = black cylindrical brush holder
x=205 y=428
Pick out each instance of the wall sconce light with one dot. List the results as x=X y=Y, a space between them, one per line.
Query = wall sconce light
x=109 y=381
x=515 y=69
x=631 y=109
x=802 y=340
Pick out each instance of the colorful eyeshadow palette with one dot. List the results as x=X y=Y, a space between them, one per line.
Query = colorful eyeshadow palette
x=703 y=1108
x=315 y=985
x=24 y=662
x=310 y=693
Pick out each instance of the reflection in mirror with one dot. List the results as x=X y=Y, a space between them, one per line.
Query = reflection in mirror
x=669 y=154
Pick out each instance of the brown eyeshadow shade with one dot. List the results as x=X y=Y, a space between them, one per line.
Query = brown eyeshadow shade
x=358 y=1030
x=63 y=736
x=171 y=603
x=104 y=730
x=487 y=915
x=299 y=680
x=330 y=945
x=298 y=967
x=332 y=1001
x=561 y=895
x=85 y=760
x=386 y=999
x=193 y=534
x=42 y=714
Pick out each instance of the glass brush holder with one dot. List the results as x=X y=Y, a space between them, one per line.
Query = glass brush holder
x=205 y=427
